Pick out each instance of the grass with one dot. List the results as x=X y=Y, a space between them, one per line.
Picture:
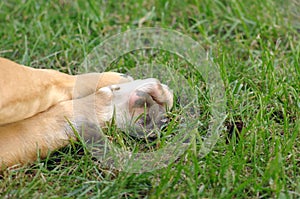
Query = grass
x=257 y=49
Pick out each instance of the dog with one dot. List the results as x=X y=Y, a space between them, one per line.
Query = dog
x=40 y=109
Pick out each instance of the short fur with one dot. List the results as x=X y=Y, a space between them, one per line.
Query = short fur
x=36 y=106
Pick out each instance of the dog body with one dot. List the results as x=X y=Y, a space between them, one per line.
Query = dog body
x=36 y=106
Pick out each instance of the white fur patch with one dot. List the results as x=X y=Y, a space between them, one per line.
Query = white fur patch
x=105 y=90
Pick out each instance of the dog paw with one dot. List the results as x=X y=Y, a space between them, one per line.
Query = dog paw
x=140 y=104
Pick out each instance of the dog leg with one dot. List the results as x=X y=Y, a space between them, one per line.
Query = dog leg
x=22 y=141
x=25 y=91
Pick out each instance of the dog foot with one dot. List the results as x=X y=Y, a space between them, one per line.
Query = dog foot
x=140 y=105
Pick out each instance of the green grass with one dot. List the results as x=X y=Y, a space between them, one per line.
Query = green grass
x=257 y=51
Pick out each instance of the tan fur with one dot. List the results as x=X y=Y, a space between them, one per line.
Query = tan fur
x=34 y=105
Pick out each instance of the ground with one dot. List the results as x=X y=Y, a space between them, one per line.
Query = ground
x=254 y=44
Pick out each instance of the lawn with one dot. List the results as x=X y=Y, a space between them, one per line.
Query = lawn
x=255 y=45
